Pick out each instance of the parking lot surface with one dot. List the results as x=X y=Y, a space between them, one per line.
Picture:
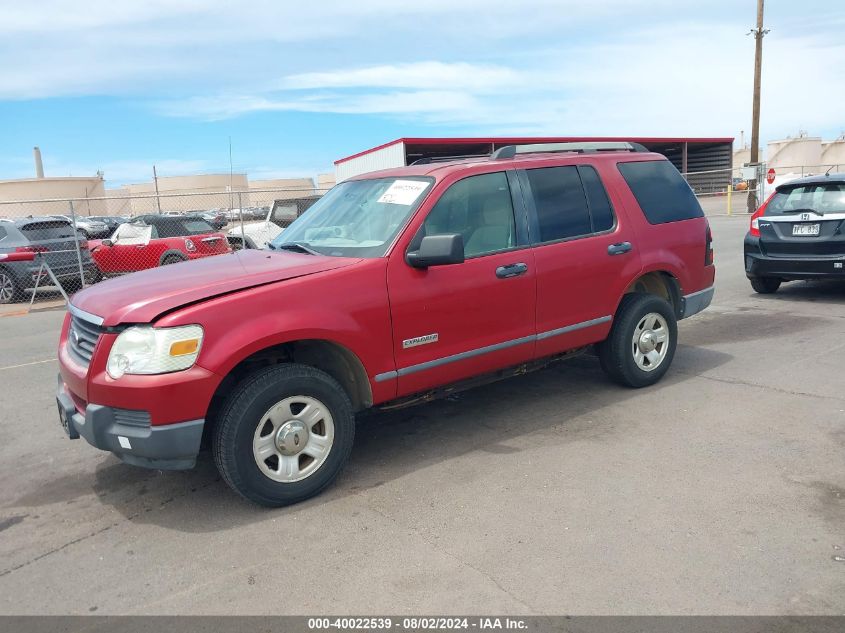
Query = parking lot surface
x=719 y=491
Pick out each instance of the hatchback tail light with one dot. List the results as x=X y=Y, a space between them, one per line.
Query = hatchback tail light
x=31 y=249
x=754 y=228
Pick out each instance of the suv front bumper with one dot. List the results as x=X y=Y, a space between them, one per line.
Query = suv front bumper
x=166 y=447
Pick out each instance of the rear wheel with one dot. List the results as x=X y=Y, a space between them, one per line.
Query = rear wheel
x=642 y=342
x=171 y=259
x=765 y=285
x=10 y=291
x=284 y=434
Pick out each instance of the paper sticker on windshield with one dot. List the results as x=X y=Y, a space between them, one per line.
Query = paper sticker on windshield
x=403 y=192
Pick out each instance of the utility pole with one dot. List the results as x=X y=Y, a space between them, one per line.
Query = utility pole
x=758 y=33
x=155 y=180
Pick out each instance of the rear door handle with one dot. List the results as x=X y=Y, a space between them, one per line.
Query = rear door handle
x=619 y=248
x=511 y=270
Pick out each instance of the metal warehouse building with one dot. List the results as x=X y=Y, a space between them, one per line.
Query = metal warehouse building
x=706 y=161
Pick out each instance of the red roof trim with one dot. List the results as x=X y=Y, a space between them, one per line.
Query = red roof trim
x=515 y=140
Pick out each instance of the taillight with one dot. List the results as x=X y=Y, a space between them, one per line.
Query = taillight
x=708 y=246
x=190 y=246
x=754 y=228
x=31 y=249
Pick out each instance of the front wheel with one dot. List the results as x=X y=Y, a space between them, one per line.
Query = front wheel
x=765 y=285
x=284 y=434
x=642 y=341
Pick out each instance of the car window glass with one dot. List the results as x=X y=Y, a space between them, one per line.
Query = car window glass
x=600 y=209
x=823 y=198
x=47 y=230
x=480 y=209
x=661 y=191
x=197 y=226
x=2 y=232
x=560 y=203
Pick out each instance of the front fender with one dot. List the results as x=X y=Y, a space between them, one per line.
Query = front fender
x=347 y=307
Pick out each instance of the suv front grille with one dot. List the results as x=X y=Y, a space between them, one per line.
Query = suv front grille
x=82 y=338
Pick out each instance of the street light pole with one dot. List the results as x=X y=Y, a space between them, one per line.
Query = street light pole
x=758 y=33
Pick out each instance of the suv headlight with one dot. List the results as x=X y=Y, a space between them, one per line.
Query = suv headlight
x=148 y=350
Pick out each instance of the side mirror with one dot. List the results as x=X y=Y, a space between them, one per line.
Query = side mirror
x=107 y=243
x=438 y=250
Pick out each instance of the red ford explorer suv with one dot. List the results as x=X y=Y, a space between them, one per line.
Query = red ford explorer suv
x=395 y=287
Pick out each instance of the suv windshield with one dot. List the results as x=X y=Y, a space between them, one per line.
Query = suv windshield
x=357 y=218
x=819 y=197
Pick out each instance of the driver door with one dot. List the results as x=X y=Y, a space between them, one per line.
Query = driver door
x=461 y=320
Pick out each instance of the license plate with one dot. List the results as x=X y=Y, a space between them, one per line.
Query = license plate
x=806 y=229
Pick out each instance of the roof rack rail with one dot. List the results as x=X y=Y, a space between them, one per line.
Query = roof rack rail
x=588 y=147
x=445 y=159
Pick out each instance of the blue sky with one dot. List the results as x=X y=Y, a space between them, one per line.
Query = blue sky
x=118 y=85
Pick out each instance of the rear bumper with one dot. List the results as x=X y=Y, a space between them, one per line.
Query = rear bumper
x=759 y=265
x=169 y=447
x=695 y=302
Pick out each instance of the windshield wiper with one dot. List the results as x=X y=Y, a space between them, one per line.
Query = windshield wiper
x=302 y=247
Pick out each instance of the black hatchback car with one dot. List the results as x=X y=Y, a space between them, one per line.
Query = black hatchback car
x=798 y=233
x=49 y=238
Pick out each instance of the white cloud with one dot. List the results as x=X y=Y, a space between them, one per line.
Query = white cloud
x=650 y=82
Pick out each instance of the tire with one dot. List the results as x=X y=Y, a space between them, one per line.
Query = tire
x=171 y=259
x=628 y=354
x=245 y=430
x=765 y=285
x=10 y=290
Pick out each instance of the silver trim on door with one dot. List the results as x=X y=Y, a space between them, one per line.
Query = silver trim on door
x=437 y=362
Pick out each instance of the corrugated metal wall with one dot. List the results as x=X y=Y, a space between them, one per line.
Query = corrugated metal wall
x=384 y=158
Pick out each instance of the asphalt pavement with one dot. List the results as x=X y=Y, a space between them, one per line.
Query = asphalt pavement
x=720 y=490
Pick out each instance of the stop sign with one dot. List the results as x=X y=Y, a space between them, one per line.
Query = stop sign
x=770 y=175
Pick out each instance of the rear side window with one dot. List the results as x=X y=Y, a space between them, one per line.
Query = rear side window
x=661 y=191
x=3 y=232
x=197 y=226
x=560 y=203
x=50 y=230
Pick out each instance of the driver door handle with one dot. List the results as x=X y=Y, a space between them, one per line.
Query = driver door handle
x=511 y=270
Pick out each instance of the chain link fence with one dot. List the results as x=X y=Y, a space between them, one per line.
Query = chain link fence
x=72 y=243
x=48 y=247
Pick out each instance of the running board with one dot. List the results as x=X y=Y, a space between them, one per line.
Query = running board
x=478 y=381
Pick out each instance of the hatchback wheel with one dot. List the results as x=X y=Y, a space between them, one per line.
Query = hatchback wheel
x=765 y=285
x=284 y=434
x=642 y=342
x=9 y=289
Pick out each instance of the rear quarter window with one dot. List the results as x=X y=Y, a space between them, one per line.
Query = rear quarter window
x=661 y=191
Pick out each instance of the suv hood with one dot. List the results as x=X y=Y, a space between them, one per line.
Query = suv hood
x=142 y=296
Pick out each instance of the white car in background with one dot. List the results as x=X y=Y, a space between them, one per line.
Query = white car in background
x=259 y=234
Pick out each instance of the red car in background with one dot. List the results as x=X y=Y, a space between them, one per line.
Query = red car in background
x=150 y=241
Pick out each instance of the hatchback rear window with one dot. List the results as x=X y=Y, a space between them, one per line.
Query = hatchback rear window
x=820 y=198
x=50 y=230
x=661 y=191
